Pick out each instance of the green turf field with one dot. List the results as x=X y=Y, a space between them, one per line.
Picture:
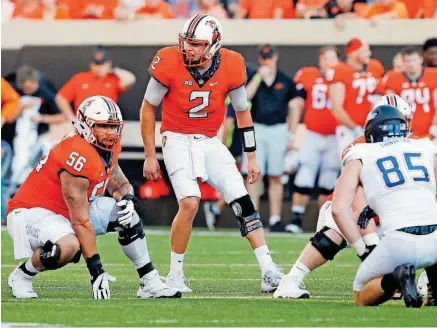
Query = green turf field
x=226 y=281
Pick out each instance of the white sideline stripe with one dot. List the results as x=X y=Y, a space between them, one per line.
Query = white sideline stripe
x=199 y=265
x=28 y=324
x=222 y=296
x=160 y=232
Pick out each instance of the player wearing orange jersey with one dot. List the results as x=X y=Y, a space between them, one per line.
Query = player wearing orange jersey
x=192 y=81
x=418 y=86
x=319 y=147
x=351 y=87
x=57 y=212
x=329 y=240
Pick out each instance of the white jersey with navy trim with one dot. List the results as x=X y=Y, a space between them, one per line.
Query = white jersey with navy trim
x=399 y=180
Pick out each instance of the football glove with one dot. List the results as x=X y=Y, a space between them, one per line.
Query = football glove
x=365 y=216
x=99 y=278
x=127 y=205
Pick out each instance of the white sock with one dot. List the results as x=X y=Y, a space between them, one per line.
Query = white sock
x=299 y=271
x=371 y=239
x=298 y=209
x=30 y=268
x=176 y=261
x=274 y=219
x=263 y=257
x=137 y=252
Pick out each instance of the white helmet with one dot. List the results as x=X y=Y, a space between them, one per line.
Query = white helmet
x=99 y=110
x=201 y=29
x=399 y=103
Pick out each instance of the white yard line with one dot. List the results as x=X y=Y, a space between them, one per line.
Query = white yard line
x=28 y=324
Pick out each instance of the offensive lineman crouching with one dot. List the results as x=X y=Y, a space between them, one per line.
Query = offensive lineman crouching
x=57 y=212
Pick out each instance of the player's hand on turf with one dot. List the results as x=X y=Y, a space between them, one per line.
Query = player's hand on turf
x=151 y=169
x=365 y=216
x=99 y=278
x=253 y=170
x=127 y=204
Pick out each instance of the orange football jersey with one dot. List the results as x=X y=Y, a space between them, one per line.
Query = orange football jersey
x=318 y=115
x=418 y=93
x=42 y=188
x=358 y=87
x=196 y=105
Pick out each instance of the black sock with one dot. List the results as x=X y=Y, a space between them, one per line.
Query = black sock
x=389 y=284
x=145 y=269
x=297 y=219
x=23 y=268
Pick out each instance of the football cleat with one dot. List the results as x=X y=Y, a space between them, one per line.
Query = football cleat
x=151 y=286
x=289 y=287
x=178 y=281
x=406 y=276
x=293 y=228
x=271 y=277
x=21 y=284
x=277 y=227
x=422 y=284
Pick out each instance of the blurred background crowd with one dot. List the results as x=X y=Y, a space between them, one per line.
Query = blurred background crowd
x=339 y=10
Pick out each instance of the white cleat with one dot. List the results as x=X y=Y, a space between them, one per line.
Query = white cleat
x=290 y=288
x=210 y=217
x=151 y=286
x=178 y=281
x=293 y=228
x=271 y=277
x=21 y=284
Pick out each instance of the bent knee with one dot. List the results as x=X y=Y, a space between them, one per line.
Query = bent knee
x=189 y=206
x=69 y=246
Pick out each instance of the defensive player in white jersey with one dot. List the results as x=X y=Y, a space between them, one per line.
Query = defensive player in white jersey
x=328 y=240
x=398 y=176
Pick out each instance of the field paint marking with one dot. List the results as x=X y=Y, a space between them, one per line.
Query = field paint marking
x=28 y=324
x=198 y=265
x=221 y=296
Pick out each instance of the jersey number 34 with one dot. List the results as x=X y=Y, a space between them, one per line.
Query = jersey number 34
x=392 y=174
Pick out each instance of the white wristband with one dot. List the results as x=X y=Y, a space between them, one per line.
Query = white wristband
x=360 y=246
x=433 y=131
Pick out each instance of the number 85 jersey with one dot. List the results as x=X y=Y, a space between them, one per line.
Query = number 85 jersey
x=42 y=188
x=398 y=179
x=195 y=103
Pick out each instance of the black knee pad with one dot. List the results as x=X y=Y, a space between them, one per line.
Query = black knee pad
x=303 y=190
x=244 y=210
x=325 y=245
x=127 y=236
x=324 y=191
x=49 y=255
x=76 y=257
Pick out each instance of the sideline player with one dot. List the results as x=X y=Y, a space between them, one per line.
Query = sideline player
x=51 y=221
x=319 y=147
x=192 y=81
x=418 y=86
x=328 y=240
x=397 y=175
x=351 y=87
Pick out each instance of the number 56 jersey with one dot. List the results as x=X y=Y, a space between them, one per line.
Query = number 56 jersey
x=195 y=103
x=42 y=188
x=399 y=180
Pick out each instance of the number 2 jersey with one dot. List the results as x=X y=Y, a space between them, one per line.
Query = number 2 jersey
x=195 y=103
x=42 y=188
x=398 y=179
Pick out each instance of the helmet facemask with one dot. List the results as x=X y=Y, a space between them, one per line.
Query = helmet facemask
x=92 y=136
x=204 y=58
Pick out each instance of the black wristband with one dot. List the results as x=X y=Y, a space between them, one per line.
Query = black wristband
x=94 y=265
x=130 y=197
x=247 y=136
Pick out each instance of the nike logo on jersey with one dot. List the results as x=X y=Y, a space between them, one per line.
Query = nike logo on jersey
x=213 y=84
